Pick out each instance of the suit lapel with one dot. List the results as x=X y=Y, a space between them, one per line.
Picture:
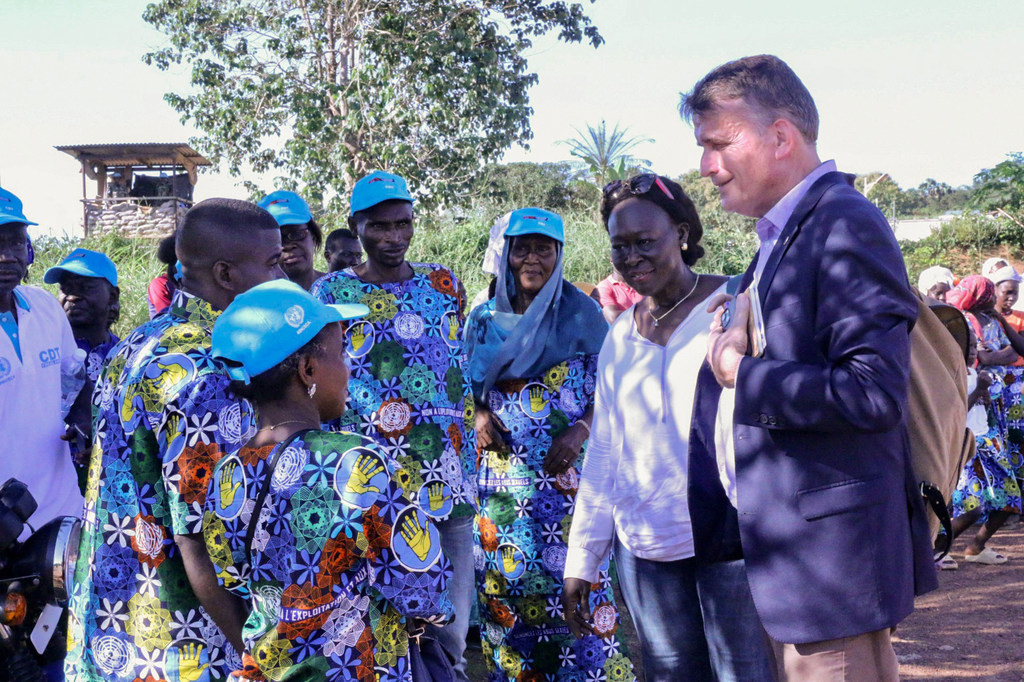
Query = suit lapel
x=792 y=228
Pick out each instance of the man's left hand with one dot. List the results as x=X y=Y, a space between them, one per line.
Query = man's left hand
x=726 y=347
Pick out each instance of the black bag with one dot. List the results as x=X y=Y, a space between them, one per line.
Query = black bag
x=430 y=661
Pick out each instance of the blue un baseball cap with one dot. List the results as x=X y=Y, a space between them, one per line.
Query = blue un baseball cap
x=269 y=322
x=288 y=208
x=536 y=221
x=376 y=187
x=11 y=209
x=85 y=263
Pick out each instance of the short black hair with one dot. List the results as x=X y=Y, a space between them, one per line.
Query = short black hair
x=680 y=208
x=231 y=217
x=339 y=234
x=765 y=83
x=165 y=250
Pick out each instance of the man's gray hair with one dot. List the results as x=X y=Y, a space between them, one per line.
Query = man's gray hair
x=765 y=83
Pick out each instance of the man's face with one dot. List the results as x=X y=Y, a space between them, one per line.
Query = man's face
x=86 y=300
x=344 y=253
x=258 y=261
x=13 y=256
x=385 y=231
x=739 y=157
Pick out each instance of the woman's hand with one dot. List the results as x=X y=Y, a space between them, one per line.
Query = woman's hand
x=490 y=432
x=565 y=449
x=576 y=606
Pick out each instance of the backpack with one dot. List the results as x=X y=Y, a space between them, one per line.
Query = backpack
x=940 y=442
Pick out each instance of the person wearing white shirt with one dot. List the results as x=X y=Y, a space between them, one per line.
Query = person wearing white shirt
x=35 y=343
x=693 y=612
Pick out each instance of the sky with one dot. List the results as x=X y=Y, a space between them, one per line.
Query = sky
x=915 y=88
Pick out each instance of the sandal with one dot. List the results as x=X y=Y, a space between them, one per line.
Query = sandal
x=946 y=563
x=987 y=556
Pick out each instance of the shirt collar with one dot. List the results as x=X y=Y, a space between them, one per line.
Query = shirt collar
x=190 y=307
x=21 y=301
x=776 y=218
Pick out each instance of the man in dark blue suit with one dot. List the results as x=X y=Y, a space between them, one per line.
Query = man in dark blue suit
x=830 y=524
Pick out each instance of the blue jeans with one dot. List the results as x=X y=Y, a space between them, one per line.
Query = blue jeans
x=457 y=545
x=695 y=621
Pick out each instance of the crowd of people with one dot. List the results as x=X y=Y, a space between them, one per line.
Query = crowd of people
x=988 y=491
x=290 y=474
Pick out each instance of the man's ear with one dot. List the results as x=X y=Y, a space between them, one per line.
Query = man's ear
x=223 y=275
x=115 y=306
x=786 y=136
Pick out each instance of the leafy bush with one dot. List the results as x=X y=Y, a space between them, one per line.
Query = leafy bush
x=962 y=244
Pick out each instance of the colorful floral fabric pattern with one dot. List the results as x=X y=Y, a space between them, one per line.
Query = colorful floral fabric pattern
x=95 y=355
x=522 y=532
x=989 y=480
x=340 y=558
x=163 y=416
x=406 y=390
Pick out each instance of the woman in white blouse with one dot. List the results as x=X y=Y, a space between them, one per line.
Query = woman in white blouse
x=694 y=615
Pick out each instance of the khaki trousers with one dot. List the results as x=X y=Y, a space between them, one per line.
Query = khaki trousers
x=862 y=658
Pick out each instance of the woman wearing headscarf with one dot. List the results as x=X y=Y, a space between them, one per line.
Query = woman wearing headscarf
x=647 y=490
x=532 y=353
x=935 y=281
x=311 y=527
x=1007 y=290
x=989 y=485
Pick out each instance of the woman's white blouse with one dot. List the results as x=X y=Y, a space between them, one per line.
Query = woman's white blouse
x=634 y=479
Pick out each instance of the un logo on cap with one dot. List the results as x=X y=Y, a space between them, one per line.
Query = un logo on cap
x=294 y=316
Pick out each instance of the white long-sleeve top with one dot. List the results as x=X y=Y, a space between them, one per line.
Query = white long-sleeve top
x=634 y=478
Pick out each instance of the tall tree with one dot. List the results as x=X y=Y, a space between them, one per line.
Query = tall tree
x=324 y=91
x=606 y=155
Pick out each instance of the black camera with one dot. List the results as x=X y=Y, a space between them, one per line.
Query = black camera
x=35 y=583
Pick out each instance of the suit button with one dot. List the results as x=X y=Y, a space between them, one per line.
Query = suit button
x=763 y=419
x=771 y=421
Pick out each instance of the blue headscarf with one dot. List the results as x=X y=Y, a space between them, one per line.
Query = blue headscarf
x=560 y=322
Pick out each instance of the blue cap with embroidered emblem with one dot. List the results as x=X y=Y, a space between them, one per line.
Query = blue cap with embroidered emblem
x=85 y=263
x=288 y=208
x=269 y=322
x=536 y=221
x=376 y=187
x=11 y=210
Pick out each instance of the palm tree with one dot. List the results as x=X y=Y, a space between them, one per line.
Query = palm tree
x=605 y=154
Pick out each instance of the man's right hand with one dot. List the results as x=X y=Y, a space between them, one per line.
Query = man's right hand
x=576 y=607
x=726 y=347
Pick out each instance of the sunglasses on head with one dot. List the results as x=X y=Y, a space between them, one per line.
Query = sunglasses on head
x=638 y=185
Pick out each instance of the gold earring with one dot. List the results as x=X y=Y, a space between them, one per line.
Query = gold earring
x=685 y=247
x=311 y=391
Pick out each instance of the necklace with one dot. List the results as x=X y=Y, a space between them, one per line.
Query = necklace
x=651 y=308
x=274 y=426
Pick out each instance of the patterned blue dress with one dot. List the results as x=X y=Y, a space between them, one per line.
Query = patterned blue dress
x=522 y=532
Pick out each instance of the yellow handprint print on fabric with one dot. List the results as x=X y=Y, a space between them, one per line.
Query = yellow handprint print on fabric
x=189 y=667
x=358 y=336
x=435 y=496
x=453 y=327
x=416 y=536
x=537 y=401
x=227 y=489
x=362 y=473
x=509 y=563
